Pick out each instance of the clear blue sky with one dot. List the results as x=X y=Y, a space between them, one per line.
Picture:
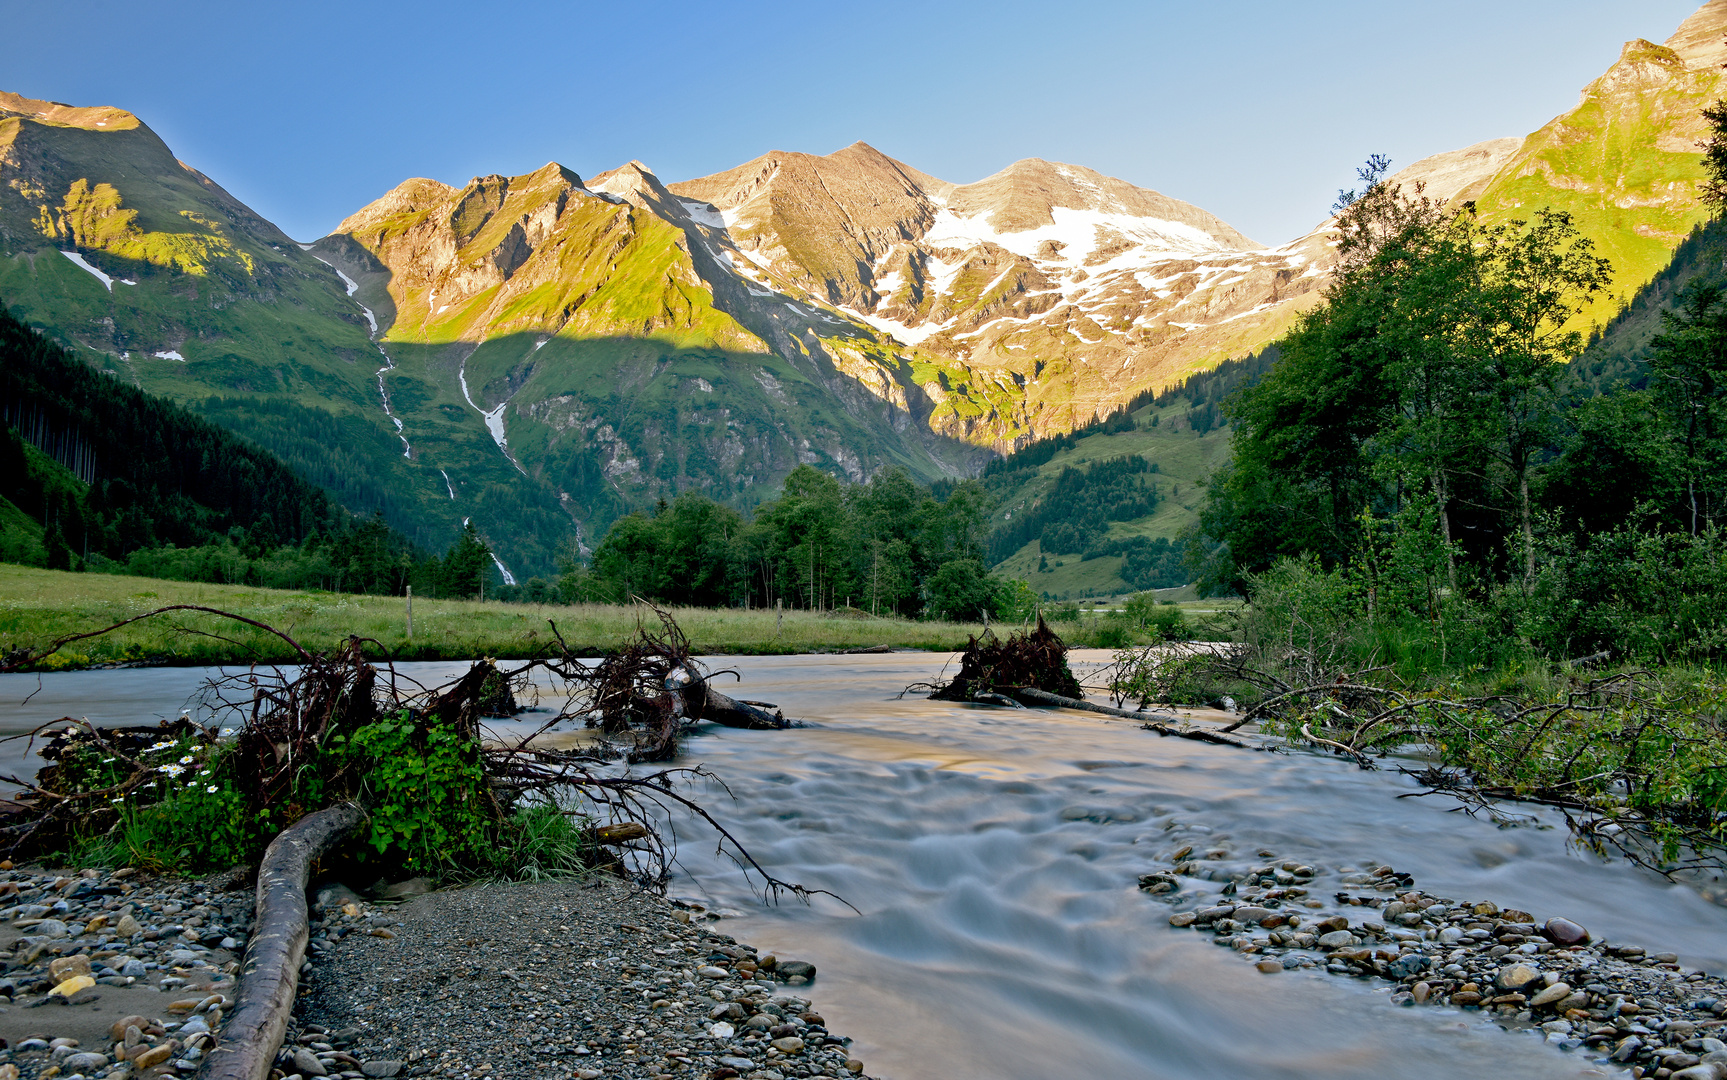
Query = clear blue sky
x=1257 y=110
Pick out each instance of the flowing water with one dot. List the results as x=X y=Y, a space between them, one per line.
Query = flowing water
x=992 y=856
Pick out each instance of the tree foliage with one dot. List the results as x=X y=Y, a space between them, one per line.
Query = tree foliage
x=884 y=547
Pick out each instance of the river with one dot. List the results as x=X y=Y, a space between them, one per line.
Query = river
x=993 y=856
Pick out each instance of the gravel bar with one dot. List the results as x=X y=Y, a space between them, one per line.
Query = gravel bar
x=114 y=974
x=1617 y=1004
x=570 y=978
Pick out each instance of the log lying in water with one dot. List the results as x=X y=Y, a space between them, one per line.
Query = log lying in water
x=1151 y=721
x=739 y=714
x=702 y=702
x=253 y=1034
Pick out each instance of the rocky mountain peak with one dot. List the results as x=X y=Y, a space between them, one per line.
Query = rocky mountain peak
x=408 y=197
x=1026 y=196
x=1701 y=40
x=96 y=118
x=1458 y=175
x=637 y=185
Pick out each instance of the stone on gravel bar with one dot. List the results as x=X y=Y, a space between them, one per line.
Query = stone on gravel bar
x=1564 y=932
x=794 y=969
x=1517 y=978
x=307 y=1063
x=1554 y=994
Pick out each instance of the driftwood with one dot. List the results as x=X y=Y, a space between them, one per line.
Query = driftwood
x=733 y=713
x=993 y=665
x=249 y=1041
x=1034 y=696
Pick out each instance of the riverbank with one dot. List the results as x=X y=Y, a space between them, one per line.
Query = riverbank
x=569 y=978
x=40 y=606
x=123 y=974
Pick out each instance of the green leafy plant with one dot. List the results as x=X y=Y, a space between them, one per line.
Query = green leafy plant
x=425 y=787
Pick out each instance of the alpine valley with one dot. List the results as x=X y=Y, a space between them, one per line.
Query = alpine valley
x=543 y=353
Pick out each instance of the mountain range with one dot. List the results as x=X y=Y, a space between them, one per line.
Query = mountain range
x=541 y=353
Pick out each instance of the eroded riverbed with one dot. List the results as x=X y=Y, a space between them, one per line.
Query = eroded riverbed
x=994 y=854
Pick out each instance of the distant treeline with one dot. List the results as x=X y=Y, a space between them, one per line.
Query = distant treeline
x=884 y=547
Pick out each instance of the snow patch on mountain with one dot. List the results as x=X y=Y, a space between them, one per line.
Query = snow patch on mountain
x=1082 y=234
x=78 y=260
x=703 y=214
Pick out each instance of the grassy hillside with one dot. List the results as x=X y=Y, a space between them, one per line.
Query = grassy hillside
x=1619 y=353
x=1185 y=459
x=1624 y=163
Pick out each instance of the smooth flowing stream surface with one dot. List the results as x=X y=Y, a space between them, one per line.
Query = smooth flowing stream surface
x=993 y=855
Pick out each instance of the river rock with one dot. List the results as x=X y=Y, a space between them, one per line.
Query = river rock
x=1564 y=932
x=87 y=1062
x=62 y=968
x=381 y=1068
x=1183 y=918
x=127 y=926
x=791 y=1044
x=722 y=1030
x=1517 y=978
x=70 y=988
x=1627 y=1049
x=49 y=928
x=155 y=1056
x=795 y=969
x=118 y=1030
x=1554 y=994
x=732 y=1061
x=1336 y=939
x=1327 y=926
x=306 y=1063
x=1706 y=1071
x=1419 y=992
x=1251 y=914
x=707 y=971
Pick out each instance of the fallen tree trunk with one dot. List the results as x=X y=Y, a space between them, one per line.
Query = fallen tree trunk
x=247 y=1047
x=738 y=714
x=1151 y=721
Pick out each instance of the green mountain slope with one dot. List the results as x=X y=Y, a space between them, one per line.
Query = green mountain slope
x=1625 y=161
x=153 y=273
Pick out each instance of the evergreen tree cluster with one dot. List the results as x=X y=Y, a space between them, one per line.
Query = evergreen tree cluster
x=1076 y=511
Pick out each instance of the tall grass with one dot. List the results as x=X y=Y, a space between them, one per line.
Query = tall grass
x=39 y=606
